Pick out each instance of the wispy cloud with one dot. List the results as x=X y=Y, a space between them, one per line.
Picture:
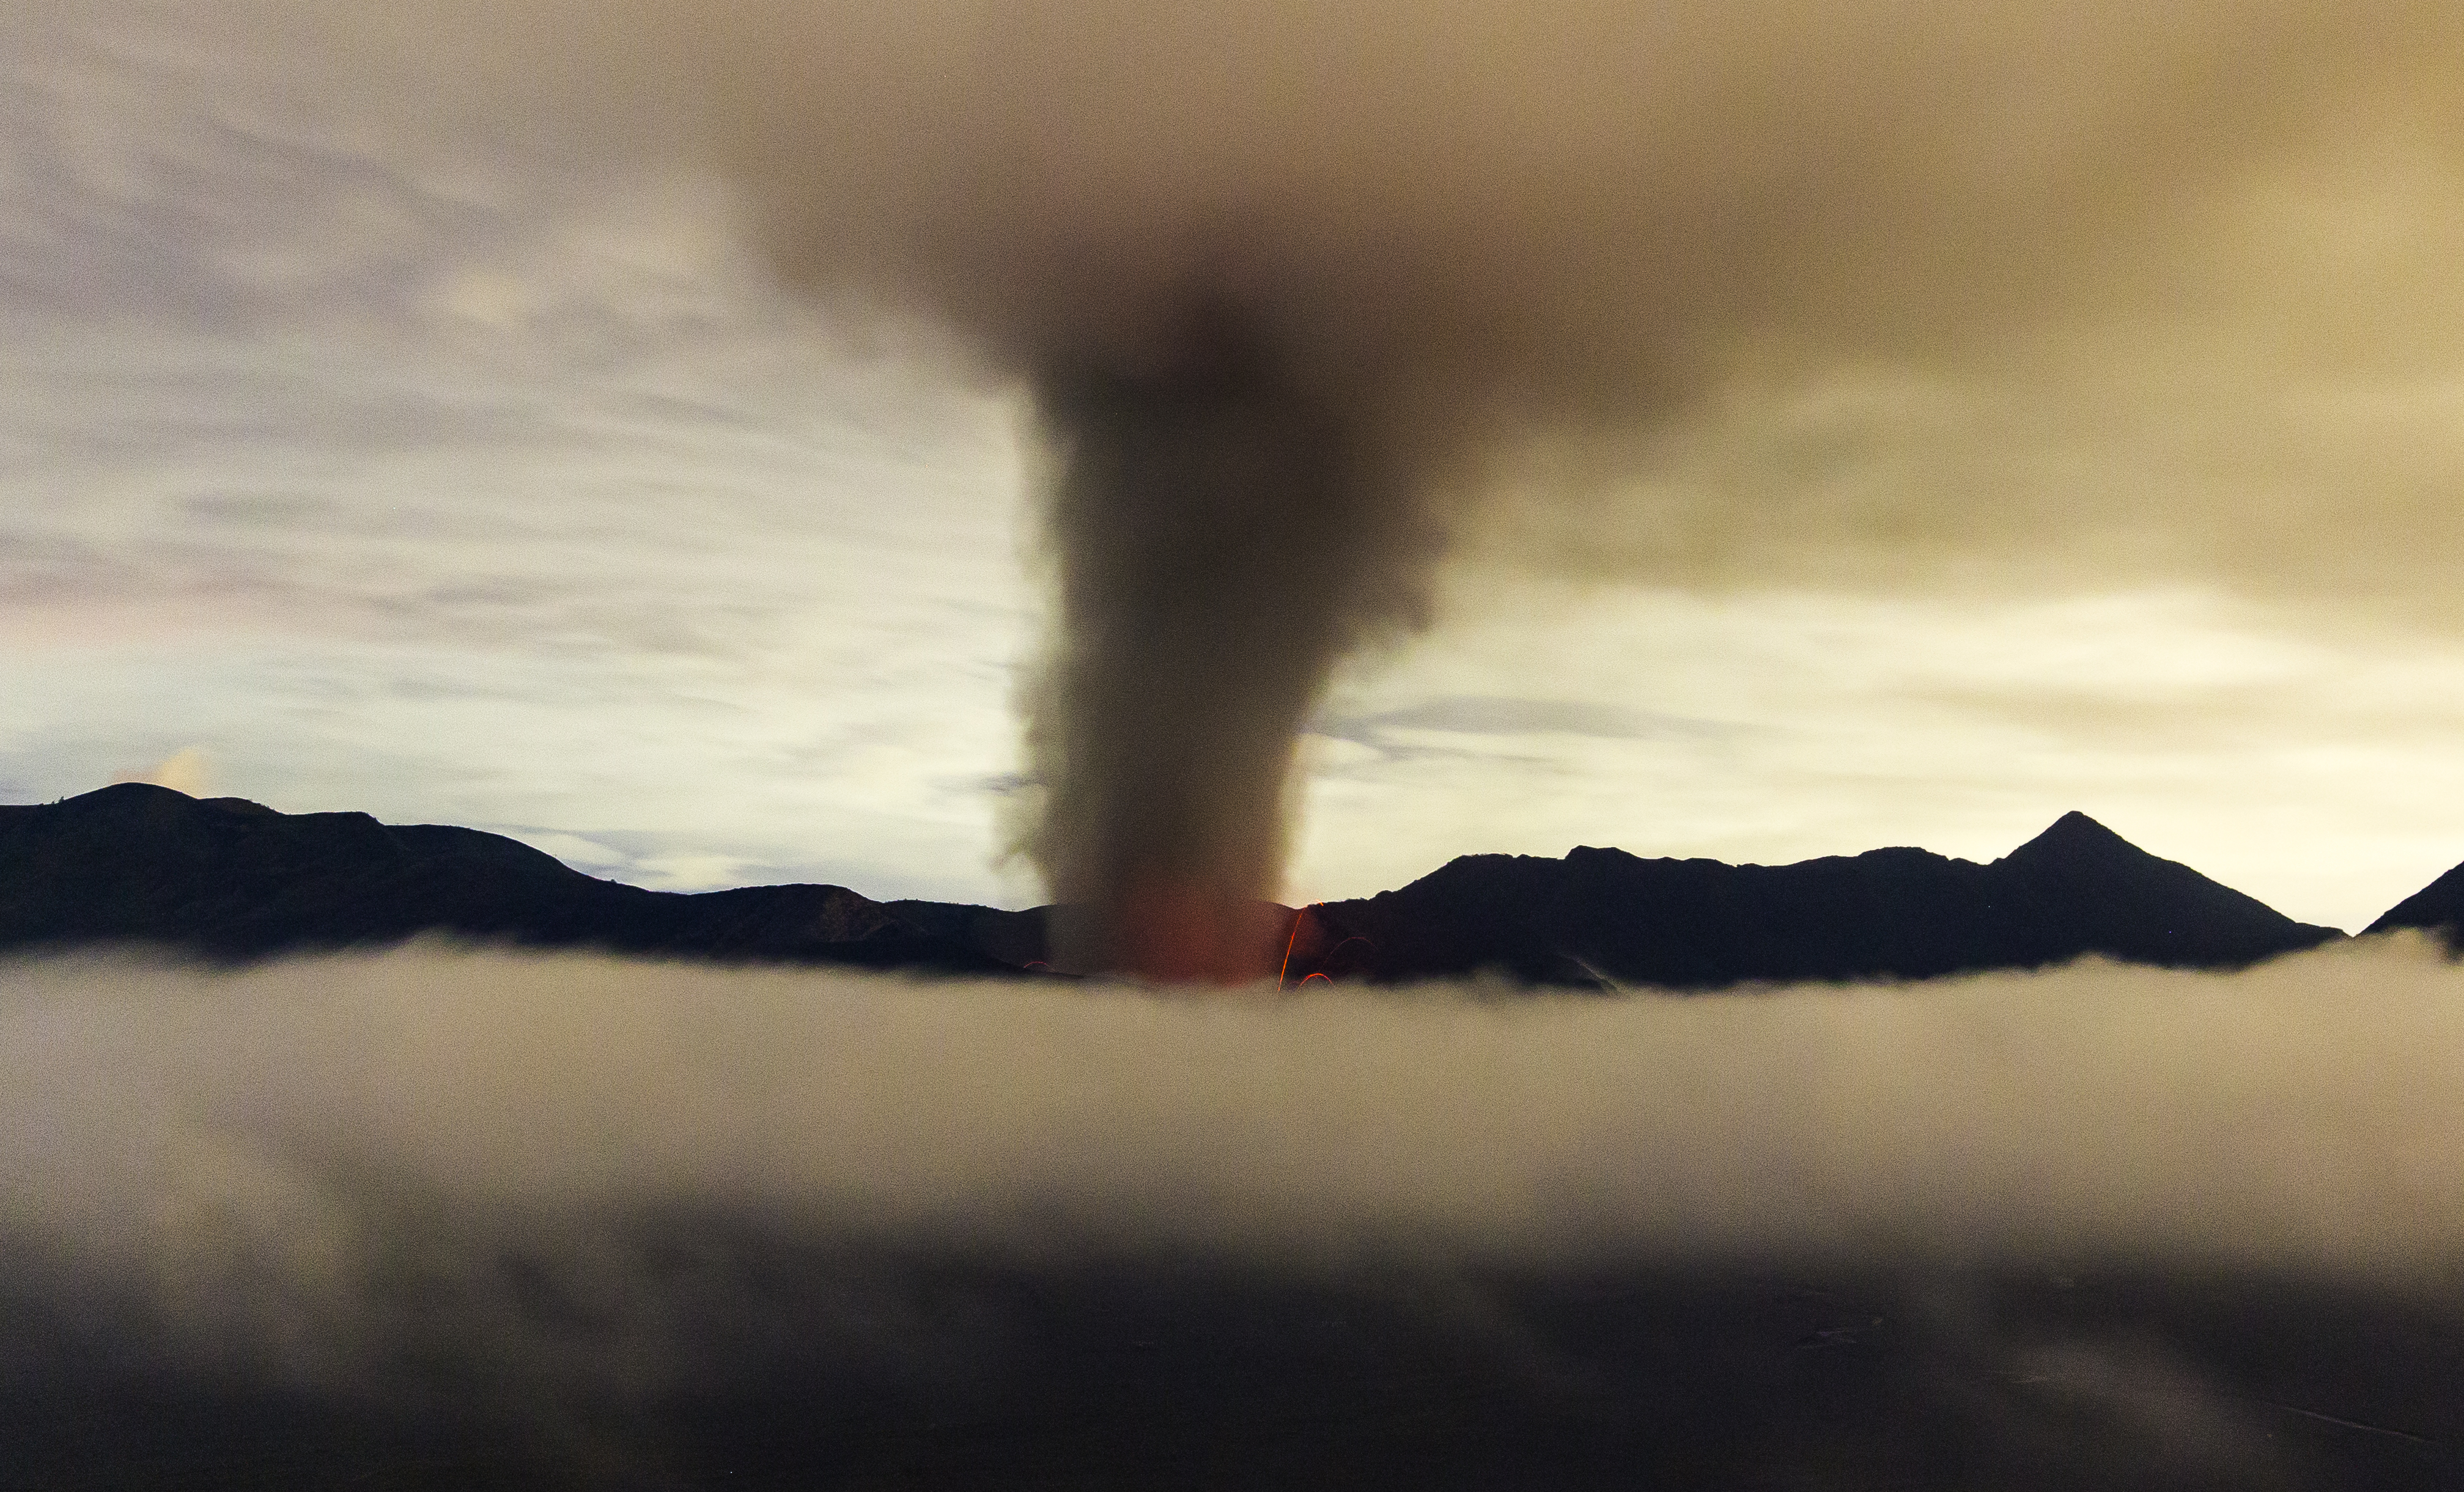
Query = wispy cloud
x=1407 y=731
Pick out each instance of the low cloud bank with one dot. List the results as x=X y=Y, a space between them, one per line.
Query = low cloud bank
x=643 y=1224
x=2296 y=1114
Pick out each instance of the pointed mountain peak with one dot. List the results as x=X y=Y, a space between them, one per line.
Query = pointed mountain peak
x=2075 y=836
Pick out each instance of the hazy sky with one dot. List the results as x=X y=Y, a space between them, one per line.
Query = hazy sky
x=487 y=486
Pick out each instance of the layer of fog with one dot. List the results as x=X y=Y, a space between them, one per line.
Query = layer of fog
x=192 y=1130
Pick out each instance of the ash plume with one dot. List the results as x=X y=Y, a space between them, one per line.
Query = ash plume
x=1220 y=535
x=1306 y=294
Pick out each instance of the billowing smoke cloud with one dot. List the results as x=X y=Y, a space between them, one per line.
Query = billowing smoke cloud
x=1300 y=290
x=2018 y=1214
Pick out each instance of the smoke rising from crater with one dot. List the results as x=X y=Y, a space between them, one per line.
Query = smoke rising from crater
x=1308 y=294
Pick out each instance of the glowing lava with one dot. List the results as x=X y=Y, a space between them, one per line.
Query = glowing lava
x=1285 y=971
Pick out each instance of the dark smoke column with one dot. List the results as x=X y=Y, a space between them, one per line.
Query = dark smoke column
x=1223 y=534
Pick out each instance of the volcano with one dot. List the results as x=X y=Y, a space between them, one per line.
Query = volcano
x=230 y=880
x=1602 y=919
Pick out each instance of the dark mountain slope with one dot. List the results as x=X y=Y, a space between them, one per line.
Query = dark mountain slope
x=1014 y=937
x=2436 y=908
x=1601 y=915
x=228 y=879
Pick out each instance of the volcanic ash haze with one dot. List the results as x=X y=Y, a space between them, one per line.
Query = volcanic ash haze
x=1304 y=291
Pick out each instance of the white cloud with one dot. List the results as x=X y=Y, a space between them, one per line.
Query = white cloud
x=2293 y=1115
x=557 y=1196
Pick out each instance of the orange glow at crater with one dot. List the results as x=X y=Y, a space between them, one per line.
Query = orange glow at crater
x=1176 y=932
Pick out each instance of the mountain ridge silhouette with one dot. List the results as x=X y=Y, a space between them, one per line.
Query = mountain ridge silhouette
x=1604 y=917
x=228 y=880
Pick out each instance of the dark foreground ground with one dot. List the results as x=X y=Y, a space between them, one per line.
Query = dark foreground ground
x=685 y=1353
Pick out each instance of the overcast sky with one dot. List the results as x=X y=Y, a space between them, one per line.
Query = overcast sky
x=484 y=486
